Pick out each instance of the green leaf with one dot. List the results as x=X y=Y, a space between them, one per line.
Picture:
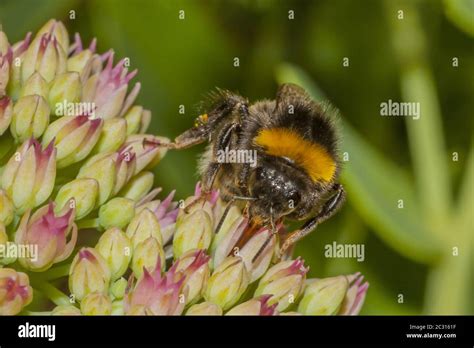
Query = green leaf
x=461 y=13
x=425 y=134
x=375 y=185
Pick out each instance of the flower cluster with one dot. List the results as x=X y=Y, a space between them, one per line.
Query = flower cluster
x=75 y=157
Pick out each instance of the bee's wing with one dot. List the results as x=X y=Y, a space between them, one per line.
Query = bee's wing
x=290 y=94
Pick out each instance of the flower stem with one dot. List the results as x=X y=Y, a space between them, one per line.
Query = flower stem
x=89 y=223
x=53 y=293
x=56 y=272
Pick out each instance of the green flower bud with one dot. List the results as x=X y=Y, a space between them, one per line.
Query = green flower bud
x=144 y=225
x=35 y=84
x=96 y=303
x=6 y=113
x=79 y=193
x=145 y=121
x=133 y=118
x=46 y=56
x=228 y=282
x=30 y=117
x=324 y=296
x=6 y=209
x=193 y=231
x=116 y=249
x=138 y=186
x=28 y=177
x=137 y=119
x=66 y=310
x=102 y=168
x=147 y=254
x=74 y=138
x=117 y=212
x=57 y=30
x=204 y=308
x=118 y=288
x=65 y=89
x=284 y=282
x=112 y=136
x=81 y=63
x=88 y=273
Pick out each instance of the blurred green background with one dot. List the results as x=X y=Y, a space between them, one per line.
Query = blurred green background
x=418 y=259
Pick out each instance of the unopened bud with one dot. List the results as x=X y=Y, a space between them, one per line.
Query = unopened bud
x=35 y=84
x=88 y=273
x=144 y=225
x=96 y=303
x=193 y=231
x=323 y=296
x=80 y=193
x=204 y=308
x=116 y=249
x=118 y=212
x=30 y=117
x=66 y=89
x=255 y=306
x=227 y=283
x=112 y=136
x=146 y=255
x=284 y=282
x=138 y=186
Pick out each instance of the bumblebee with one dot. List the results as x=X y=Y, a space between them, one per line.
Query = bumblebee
x=293 y=169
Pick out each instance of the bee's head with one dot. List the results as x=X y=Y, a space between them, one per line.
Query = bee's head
x=278 y=189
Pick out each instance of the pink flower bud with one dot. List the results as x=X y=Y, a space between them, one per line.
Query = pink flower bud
x=15 y=291
x=74 y=138
x=48 y=233
x=155 y=294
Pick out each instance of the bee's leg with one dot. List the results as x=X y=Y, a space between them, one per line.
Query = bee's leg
x=222 y=141
x=329 y=209
x=224 y=105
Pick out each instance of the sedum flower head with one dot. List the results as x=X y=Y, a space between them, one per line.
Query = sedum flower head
x=72 y=135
